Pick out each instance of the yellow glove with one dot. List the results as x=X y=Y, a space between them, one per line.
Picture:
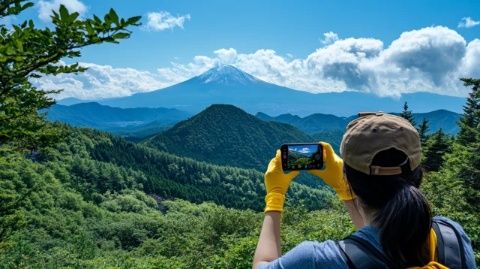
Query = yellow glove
x=276 y=184
x=332 y=173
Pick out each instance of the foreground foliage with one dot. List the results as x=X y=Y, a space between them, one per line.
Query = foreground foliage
x=28 y=52
x=59 y=214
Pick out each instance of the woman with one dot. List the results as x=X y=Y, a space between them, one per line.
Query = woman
x=381 y=163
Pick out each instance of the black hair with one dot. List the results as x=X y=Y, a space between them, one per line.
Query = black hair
x=403 y=214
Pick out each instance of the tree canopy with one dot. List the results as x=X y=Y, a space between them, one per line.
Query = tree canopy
x=28 y=52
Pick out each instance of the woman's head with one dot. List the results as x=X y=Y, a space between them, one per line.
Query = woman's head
x=382 y=157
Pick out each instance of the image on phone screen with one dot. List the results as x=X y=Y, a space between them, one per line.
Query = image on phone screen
x=302 y=156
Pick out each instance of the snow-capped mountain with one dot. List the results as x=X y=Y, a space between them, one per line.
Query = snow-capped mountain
x=229 y=85
x=227 y=74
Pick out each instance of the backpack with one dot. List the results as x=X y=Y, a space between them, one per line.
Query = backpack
x=360 y=254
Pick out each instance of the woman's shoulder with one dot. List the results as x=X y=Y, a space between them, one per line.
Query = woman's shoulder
x=310 y=254
x=326 y=253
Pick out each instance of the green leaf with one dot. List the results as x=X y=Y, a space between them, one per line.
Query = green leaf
x=74 y=16
x=107 y=19
x=121 y=35
x=133 y=20
x=113 y=16
x=19 y=45
x=63 y=12
x=27 y=5
x=89 y=28
x=97 y=19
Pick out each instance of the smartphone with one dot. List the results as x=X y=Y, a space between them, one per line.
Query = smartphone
x=302 y=156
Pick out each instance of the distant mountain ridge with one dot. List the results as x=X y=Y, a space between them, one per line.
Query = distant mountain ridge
x=120 y=121
x=138 y=123
x=229 y=85
x=317 y=123
x=311 y=124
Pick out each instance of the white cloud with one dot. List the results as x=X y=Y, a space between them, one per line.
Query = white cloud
x=226 y=56
x=163 y=20
x=329 y=38
x=102 y=81
x=467 y=22
x=429 y=59
x=45 y=7
x=470 y=66
x=304 y=150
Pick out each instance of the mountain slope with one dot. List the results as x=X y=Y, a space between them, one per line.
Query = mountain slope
x=167 y=176
x=225 y=134
x=229 y=85
x=444 y=119
x=128 y=121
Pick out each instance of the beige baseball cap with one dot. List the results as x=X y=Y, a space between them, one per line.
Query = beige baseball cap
x=374 y=132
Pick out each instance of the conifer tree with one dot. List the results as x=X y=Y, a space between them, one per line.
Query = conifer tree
x=407 y=114
x=469 y=123
x=437 y=145
x=422 y=131
x=469 y=138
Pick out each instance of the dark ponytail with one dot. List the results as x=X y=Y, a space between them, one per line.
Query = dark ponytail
x=403 y=215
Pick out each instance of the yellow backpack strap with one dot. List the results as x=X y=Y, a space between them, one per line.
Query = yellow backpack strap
x=432 y=247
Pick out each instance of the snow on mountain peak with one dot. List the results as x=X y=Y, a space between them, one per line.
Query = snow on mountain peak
x=226 y=74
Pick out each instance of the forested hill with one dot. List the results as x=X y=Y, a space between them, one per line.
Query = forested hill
x=167 y=176
x=225 y=134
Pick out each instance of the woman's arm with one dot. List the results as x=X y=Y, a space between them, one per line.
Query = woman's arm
x=276 y=185
x=269 y=247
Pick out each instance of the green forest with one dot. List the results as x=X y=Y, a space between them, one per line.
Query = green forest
x=80 y=198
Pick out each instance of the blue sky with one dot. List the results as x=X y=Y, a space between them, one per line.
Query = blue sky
x=304 y=149
x=288 y=27
x=288 y=33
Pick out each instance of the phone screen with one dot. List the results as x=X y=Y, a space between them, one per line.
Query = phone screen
x=302 y=156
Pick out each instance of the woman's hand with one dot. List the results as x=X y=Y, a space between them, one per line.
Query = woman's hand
x=332 y=173
x=276 y=184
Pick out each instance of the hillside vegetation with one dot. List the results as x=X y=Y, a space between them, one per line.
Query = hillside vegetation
x=170 y=176
x=76 y=205
x=65 y=208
